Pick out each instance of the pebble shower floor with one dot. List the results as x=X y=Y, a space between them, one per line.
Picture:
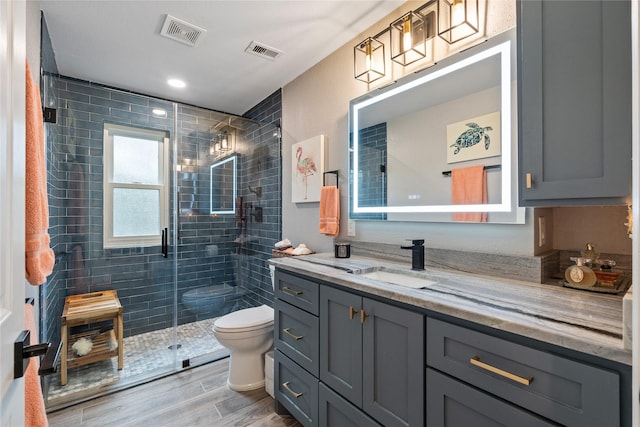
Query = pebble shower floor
x=145 y=356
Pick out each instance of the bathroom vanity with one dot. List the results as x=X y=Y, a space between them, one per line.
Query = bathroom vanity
x=363 y=341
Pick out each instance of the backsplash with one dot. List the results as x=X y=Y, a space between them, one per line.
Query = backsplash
x=546 y=268
x=527 y=268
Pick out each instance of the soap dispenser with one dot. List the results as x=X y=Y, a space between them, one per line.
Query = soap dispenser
x=591 y=257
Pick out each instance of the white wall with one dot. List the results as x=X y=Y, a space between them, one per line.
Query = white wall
x=317 y=103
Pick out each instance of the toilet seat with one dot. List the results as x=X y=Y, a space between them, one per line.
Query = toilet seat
x=248 y=319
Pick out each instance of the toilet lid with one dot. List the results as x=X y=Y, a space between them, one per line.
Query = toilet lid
x=245 y=319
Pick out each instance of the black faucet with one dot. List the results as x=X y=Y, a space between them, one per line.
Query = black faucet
x=417 y=253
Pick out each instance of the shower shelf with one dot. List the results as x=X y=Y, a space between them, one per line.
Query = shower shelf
x=100 y=351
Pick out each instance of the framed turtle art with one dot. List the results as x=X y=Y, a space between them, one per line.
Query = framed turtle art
x=474 y=138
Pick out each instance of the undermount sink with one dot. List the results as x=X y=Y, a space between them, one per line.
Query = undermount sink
x=397 y=277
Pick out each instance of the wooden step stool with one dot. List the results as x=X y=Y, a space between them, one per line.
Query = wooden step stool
x=84 y=309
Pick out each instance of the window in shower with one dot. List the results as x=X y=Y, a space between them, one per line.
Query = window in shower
x=136 y=189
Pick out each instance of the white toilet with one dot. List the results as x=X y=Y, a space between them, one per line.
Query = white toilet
x=248 y=334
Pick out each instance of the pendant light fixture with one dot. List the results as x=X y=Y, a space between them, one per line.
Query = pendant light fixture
x=221 y=145
x=408 y=38
x=368 y=60
x=457 y=19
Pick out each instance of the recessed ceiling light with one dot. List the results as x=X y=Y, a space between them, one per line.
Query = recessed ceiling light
x=176 y=83
x=159 y=112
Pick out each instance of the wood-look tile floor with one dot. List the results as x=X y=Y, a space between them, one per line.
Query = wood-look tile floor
x=195 y=397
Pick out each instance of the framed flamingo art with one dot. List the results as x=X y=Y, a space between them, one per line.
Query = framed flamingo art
x=307 y=166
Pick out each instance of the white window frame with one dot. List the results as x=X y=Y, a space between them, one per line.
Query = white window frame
x=111 y=130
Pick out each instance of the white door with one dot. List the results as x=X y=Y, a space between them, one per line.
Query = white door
x=12 y=283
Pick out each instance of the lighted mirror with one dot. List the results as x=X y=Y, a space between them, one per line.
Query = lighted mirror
x=223 y=186
x=408 y=137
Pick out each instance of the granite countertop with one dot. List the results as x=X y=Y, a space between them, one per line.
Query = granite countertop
x=583 y=321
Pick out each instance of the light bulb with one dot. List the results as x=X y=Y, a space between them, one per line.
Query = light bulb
x=457 y=13
x=407 y=43
x=368 y=58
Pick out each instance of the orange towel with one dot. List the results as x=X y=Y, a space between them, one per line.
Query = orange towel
x=39 y=257
x=35 y=414
x=330 y=211
x=469 y=187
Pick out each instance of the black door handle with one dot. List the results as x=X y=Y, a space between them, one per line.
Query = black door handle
x=22 y=352
x=165 y=242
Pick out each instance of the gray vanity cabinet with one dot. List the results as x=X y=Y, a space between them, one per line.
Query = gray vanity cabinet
x=372 y=354
x=525 y=379
x=296 y=347
x=574 y=102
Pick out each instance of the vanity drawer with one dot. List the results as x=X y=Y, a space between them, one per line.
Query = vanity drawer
x=560 y=389
x=451 y=403
x=296 y=335
x=296 y=390
x=297 y=291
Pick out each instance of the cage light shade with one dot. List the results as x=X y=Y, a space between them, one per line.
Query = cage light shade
x=457 y=19
x=368 y=60
x=408 y=38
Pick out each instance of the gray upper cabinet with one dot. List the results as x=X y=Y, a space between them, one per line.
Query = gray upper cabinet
x=574 y=102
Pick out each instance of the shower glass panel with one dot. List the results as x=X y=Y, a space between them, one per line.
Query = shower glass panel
x=107 y=228
x=109 y=202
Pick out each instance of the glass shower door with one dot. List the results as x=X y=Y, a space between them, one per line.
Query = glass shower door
x=109 y=190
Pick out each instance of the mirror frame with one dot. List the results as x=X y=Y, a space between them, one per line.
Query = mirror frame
x=231 y=211
x=503 y=45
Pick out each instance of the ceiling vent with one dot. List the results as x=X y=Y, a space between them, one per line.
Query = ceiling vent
x=181 y=31
x=263 y=51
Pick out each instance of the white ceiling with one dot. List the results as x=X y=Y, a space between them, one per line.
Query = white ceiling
x=118 y=43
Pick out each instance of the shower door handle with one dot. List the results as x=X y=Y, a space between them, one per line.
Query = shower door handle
x=178 y=217
x=165 y=242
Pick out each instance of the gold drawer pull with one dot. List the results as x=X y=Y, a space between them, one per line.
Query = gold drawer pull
x=363 y=316
x=352 y=312
x=292 y=291
x=528 y=180
x=295 y=337
x=475 y=360
x=293 y=393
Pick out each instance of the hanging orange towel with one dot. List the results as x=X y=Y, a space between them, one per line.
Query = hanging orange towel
x=330 y=211
x=35 y=414
x=39 y=257
x=469 y=187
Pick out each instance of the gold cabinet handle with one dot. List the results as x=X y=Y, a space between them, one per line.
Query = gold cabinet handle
x=295 y=337
x=475 y=360
x=292 y=291
x=363 y=316
x=528 y=180
x=352 y=312
x=293 y=393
